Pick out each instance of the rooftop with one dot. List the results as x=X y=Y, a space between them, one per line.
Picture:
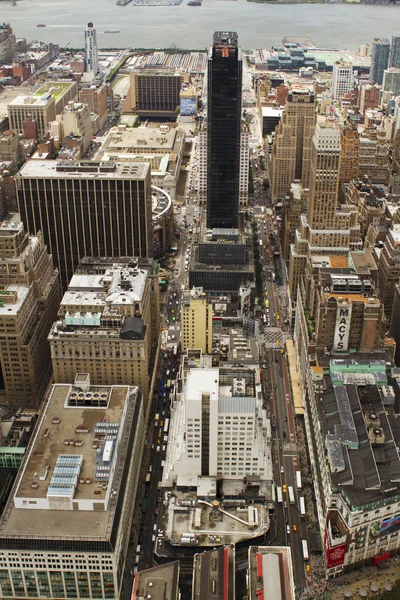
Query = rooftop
x=214 y=574
x=53 y=169
x=149 y=138
x=357 y=417
x=55 y=88
x=74 y=462
x=158 y=583
x=35 y=100
x=270 y=573
x=12 y=299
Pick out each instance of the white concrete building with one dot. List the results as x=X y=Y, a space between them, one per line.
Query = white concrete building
x=342 y=80
x=219 y=427
x=76 y=120
x=91 y=60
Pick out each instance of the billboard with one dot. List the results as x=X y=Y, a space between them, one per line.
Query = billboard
x=188 y=107
x=342 y=327
x=334 y=557
x=385 y=527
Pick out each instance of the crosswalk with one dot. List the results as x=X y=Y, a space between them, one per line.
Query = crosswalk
x=272 y=335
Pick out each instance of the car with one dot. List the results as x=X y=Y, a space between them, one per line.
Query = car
x=294 y=528
x=141 y=527
x=164 y=448
x=280 y=447
x=287 y=529
x=155 y=527
x=284 y=488
x=285 y=419
x=284 y=434
x=146 y=494
x=285 y=504
x=282 y=469
x=274 y=386
x=158 y=448
x=308 y=568
x=150 y=468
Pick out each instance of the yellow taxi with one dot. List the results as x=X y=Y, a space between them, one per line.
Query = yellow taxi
x=284 y=488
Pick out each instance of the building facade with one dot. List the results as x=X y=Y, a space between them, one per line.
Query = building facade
x=196 y=321
x=391 y=81
x=227 y=433
x=224 y=113
x=379 y=59
x=107 y=323
x=342 y=80
x=29 y=300
x=389 y=268
x=91 y=60
x=41 y=108
x=154 y=93
x=76 y=121
x=87 y=209
x=66 y=529
x=291 y=150
x=394 y=56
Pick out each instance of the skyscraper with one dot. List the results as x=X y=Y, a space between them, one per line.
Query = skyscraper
x=29 y=299
x=91 y=62
x=394 y=56
x=379 y=59
x=223 y=131
x=324 y=179
x=291 y=152
x=342 y=80
x=87 y=209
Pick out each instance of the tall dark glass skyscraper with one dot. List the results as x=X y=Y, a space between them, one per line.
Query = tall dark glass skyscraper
x=223 y=131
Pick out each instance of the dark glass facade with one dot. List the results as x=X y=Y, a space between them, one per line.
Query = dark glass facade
x=88 y=217
x=223 y=131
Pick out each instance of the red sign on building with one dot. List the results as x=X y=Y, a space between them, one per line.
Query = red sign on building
x=334 y=557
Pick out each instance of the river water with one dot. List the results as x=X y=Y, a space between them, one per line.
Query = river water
x=258 y=25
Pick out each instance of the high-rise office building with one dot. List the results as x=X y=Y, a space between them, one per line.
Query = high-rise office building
x=389 y=268
x=154 y=93
x=327 y=228
x=379 y=59
x=369 y=97
x=29 y=300
x=196 y=321
x=211 y=401
x=224 y=131
x=394 y=56
x=244 y=167
x=91 y=60
x=324 y=180
x=67 y=527
x=350 y=153
x=342 y=80
x=87 y=209
x=291 y=151
x=391 y=80
x=106 y=324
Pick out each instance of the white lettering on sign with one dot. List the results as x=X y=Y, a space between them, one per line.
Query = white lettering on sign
x=342 y=327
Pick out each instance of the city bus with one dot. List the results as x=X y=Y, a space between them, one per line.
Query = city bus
x=260 y=243
x=291 y=494
x=302 y=506
x=305 y=549
x=298 y=480
x=166 y=425
x=279 y=495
